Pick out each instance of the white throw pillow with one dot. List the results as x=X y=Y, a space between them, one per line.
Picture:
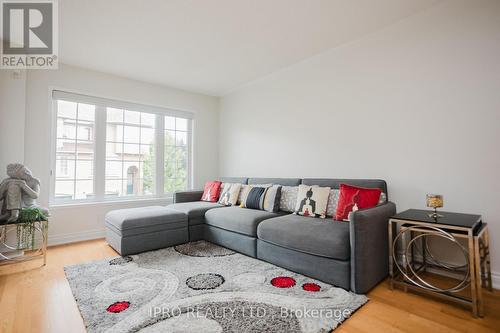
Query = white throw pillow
x=229 y=194
x=312 y=201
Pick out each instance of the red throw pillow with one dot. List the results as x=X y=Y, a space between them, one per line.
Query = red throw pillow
x=211 y=191
x=359 y=196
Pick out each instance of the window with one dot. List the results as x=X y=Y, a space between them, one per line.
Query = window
x=176 y=154
x=74 y=150
x=107 y=150
x=130 y=147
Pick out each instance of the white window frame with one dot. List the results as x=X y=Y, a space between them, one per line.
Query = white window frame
x=100 y=145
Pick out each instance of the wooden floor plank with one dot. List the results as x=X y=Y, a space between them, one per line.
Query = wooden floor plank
x=39 y=299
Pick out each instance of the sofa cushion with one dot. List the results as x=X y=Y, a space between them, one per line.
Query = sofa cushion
x=195 y=209
x=276 y=181
x=241 y=220
x=313 y=236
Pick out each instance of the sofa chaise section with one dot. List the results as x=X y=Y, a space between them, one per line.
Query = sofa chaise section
x=135 y=230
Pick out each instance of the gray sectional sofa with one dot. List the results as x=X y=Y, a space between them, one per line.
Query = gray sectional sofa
x=352 y=255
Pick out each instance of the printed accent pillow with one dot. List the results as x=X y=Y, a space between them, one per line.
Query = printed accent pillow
x=288 y=198
x=211 y=191
x=352 y=198
x=230 y=193
x=243 y=191
x=312 y=201
x=255 y=198
x=272 y=199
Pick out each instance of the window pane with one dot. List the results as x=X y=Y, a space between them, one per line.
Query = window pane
x=64 y=189
x=114 y=151
x=169 y=170
x=131 y=152
x=66 y=146
x=180 y=153
x=132 y=117
x=65 y=168
x=113 y=170
x=147 y=172
x=84 y=188
x=66 y=109
x=169 y=138
x=170 y=123
x=180 y=138
x=86 y=112
x=85 y=151
x=131 y=134
x=114 y=115
x=147 y=152
x=180 y=184
x=169 y=185
x=85 y=130
x=181 y=124
x=147 y=135
x=66 y=128
x=113 y=188
x=148 y=120
x=114 y=132
x=84 y=169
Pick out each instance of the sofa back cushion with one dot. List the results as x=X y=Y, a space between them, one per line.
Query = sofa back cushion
x=240 y=180
x=335 y=183
x=275 y=181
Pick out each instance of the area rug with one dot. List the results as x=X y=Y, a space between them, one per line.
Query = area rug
x=202 y=287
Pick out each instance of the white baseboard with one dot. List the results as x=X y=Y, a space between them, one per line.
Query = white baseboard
x=495 y=279
x=76 y=237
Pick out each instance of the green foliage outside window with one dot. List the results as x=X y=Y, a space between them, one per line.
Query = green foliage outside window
x=175 y=166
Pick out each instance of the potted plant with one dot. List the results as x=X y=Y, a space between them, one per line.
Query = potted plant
x=26 y=227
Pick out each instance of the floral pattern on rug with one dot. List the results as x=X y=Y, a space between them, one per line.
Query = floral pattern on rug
x=206 y=288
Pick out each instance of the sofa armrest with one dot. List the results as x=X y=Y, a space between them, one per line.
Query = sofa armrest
x=187 y=196
x=369 y=246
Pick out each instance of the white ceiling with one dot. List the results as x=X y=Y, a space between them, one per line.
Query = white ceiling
x=213 y=46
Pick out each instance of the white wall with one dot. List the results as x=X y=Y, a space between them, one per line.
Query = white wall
x=86 y=221
x=12 y=111
x=416 y=104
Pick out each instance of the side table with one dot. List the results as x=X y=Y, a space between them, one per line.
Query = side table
x=410 y=254
x=41 y=230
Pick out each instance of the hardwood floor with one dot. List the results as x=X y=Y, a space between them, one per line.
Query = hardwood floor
x=34 y=299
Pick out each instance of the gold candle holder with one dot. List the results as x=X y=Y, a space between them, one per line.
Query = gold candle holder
x=435 y=201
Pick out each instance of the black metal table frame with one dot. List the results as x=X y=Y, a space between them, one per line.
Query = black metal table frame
x=477 y=271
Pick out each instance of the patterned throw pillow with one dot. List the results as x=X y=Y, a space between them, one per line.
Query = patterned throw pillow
x=272 y=199
x=229 y=195
x=288 y=198
x=312 y=201
x=211 y=191
x=254 y=199
x=243 y=191
x=352 y=198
